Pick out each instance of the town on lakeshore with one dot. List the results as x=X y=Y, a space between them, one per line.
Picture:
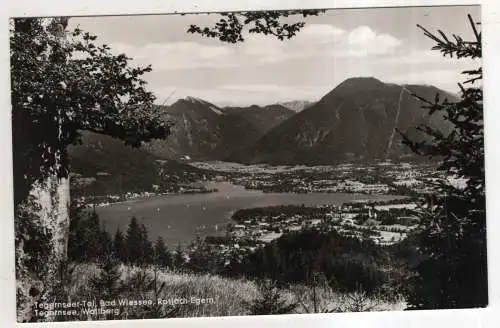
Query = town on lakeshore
x=384 y=221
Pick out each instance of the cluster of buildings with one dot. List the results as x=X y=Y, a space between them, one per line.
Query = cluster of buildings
x=106 y=200
x=361 y=220
x=379 y=178
x=276 y=183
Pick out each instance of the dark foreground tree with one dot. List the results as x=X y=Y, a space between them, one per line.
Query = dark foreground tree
x=271 y=300
x=62 y=83
x=453 y=240
x=179 y=260
x=138 y=247
x=88 y=240
x=105 y=285
x=162 y=256
x=119 y=250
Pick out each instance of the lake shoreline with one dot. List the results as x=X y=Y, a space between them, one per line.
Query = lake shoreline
x=177 y=218
x=265 y=192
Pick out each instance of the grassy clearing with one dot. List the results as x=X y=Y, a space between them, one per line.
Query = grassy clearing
x=224 y=296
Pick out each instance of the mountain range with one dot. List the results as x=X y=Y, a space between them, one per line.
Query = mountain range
x=204 y=131
x=356 y=121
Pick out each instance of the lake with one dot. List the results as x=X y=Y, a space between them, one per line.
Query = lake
x=179 y=218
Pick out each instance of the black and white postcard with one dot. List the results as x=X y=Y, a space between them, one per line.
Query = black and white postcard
x=248 y=163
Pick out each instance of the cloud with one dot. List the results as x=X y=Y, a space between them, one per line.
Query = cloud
x=304 y=67
x=262 y=48
x=427 y=67
x=322 y=33
x=429 y=57
x=320 y=40
x=445 y=79
x=361 y=35
x=313 y=41
x=178 y=55
x=363 y=41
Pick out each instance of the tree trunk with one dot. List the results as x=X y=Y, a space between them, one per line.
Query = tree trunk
x=41 y=220
x=48 y=212
x=53 y=197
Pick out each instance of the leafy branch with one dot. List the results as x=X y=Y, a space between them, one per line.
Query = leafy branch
x=230 y=28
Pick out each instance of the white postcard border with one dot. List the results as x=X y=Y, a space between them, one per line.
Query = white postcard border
x=433 y=318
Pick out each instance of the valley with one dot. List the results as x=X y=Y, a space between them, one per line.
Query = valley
x=359 y=123
x=218 y=161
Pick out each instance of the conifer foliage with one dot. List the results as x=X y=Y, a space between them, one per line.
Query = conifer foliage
x=138 y=248
x=88 y=240
x=119 y=246
x=453 y=240
x=271 y=300
x=162 y=256
x=91 y=243
x=179 y=259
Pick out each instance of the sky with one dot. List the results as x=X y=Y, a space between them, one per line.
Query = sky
x=384 y=43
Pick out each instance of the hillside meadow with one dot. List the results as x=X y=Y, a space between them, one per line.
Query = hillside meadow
x=221 y=296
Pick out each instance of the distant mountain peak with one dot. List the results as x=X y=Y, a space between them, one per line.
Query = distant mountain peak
x=199 y=101
x=354 y=121
x=355 y=84
x=296 y=105
x=361 y=82
x=195 y=100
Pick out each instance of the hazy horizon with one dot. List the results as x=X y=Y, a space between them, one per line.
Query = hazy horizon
x=236 y=104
